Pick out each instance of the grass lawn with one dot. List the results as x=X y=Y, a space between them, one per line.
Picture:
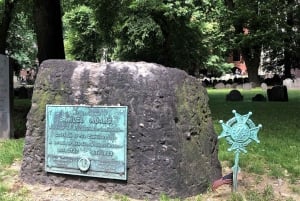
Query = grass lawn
x=278 y=153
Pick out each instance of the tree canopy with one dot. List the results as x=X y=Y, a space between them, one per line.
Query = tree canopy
x=194 y=35
x=254 y=26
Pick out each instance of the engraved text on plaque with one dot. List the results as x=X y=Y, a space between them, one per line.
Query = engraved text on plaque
x=87 y=140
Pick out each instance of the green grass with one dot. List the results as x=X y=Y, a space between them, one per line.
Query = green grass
x=278 y=152
x=164 y=197
x=121 y=197
x=266 y=195
x=10 y=150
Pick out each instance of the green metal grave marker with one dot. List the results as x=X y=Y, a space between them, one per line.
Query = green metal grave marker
x=239 y=131
x=87 y=140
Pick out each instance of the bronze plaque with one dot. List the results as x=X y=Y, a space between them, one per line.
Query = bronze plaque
x=87 y=140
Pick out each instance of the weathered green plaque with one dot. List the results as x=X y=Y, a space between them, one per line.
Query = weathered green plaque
x=87 y=140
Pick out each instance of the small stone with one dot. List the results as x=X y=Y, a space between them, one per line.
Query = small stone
x=280 y=182
x=46 y=189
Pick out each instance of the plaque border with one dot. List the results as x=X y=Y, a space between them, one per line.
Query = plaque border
x=59 y=170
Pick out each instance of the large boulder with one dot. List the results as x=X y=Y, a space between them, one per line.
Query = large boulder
x=172 y=146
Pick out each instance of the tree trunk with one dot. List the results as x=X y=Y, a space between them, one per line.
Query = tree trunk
x=252 y=59
x=48 y=25
x=288 y=56
x=5 y=22
x=287 y=64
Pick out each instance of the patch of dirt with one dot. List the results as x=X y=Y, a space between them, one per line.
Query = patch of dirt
x=282 y=189
x=246 y=181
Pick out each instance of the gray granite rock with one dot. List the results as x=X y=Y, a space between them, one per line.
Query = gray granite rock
x=172 y=146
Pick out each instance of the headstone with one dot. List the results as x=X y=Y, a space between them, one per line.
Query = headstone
x=5 y=98
x=239 y=86
x=228 y=86
x=259 y=97
x=234 y=85
x=247 y=86
x=234 y=95
x=171 y=143
x=277 y=93
x=264 y=86
x=220 y=85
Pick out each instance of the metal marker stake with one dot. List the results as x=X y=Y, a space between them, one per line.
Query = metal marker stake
x=239 y=131
x=235 y=170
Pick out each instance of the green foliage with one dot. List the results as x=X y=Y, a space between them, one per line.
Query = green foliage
x=217 y=66
x=21 y=44
x=2 y=8
x=192 y=35
x=270 y=27
x=82 y=41
x=68 y=5
x=139 y=36
x=108 y=14
x=163 y=32
x=167 y=32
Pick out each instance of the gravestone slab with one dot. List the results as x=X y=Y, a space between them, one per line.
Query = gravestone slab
x=220 y=85
x=234 y=95
x=247 y=86
x=171 y=143
x=259 y=97
x=5 y=98
x=278 y=93
x=264 y=86
x=228 y=86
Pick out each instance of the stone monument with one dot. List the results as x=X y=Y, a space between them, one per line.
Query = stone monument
x=171 y=143
x=5 y=98
x=278 y=93
x=234 y=95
